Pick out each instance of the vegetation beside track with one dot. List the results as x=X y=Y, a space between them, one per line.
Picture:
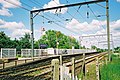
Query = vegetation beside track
x=111 y=71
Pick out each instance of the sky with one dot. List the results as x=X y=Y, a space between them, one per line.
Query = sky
x=75 y=21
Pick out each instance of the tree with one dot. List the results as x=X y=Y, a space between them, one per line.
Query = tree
x=83 y=47
x=5 y=41
x=24 y=42
x=117 y=49
x=52 y=37
x=93 y=47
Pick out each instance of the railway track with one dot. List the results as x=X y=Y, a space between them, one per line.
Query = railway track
x=37 y=70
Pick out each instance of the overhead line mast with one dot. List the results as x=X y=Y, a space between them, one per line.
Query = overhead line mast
x=108 y=28
x=71 y=5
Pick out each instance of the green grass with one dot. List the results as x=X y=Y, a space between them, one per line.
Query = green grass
x=90 y=73
x=111 y=71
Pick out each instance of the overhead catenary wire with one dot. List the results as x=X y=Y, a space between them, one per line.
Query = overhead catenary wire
x=44 y=9
x=35 y=2
x=59 y=24
x=18 y=5
x=82 y=16
x=77 y=10
x=68 y=13
x=28 y=9
x=39 y=4
x=45 y=14
x=87 y=16
x=60 y=18
x=101 y=5
x=30 y=6
x=71 y=14
x=21 y=6
x=55 y=19
x=96 y=17
x=26 y=4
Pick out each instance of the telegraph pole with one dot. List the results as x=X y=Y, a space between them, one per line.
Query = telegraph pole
x=32 y=33
x=108 y=28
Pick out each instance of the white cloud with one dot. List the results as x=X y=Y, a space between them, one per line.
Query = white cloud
x=39 y=33
x=114 y=30
x=77 y=26
x=2 y=22
x=54 y=3
x=98 y=23
x=35 y=8
x=118 y=0
x=4 y=11
x=6 y=3
x=19 y=32
x=115 y=25
x=17 y=29
x=10 y=25
x=115 y=36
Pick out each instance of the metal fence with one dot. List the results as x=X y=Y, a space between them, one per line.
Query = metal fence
x=51 y=51
x=8 y=53
x=11 y=52
x=37 y=52
x=73 y=51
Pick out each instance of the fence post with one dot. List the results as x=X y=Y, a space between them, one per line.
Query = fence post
x=61 y=68
x=55 y=68
x=3 y=65
x=25 y=60
x=8 y=53
x=33 y=59
x=73 y=68
x=15 y=63
x=1 y=53
x=15 y=53
x=60 y=59
x=106 y=60
x=83 y=66
x=97 y=69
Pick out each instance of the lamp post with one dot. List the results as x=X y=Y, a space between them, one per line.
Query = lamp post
x=57 y=43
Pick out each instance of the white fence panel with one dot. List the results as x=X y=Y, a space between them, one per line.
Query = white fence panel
x=39 y=52
x=28 y=52
x=73 y=51
x=8 y=53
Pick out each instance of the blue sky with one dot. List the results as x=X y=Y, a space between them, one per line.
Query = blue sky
x=15 y=22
